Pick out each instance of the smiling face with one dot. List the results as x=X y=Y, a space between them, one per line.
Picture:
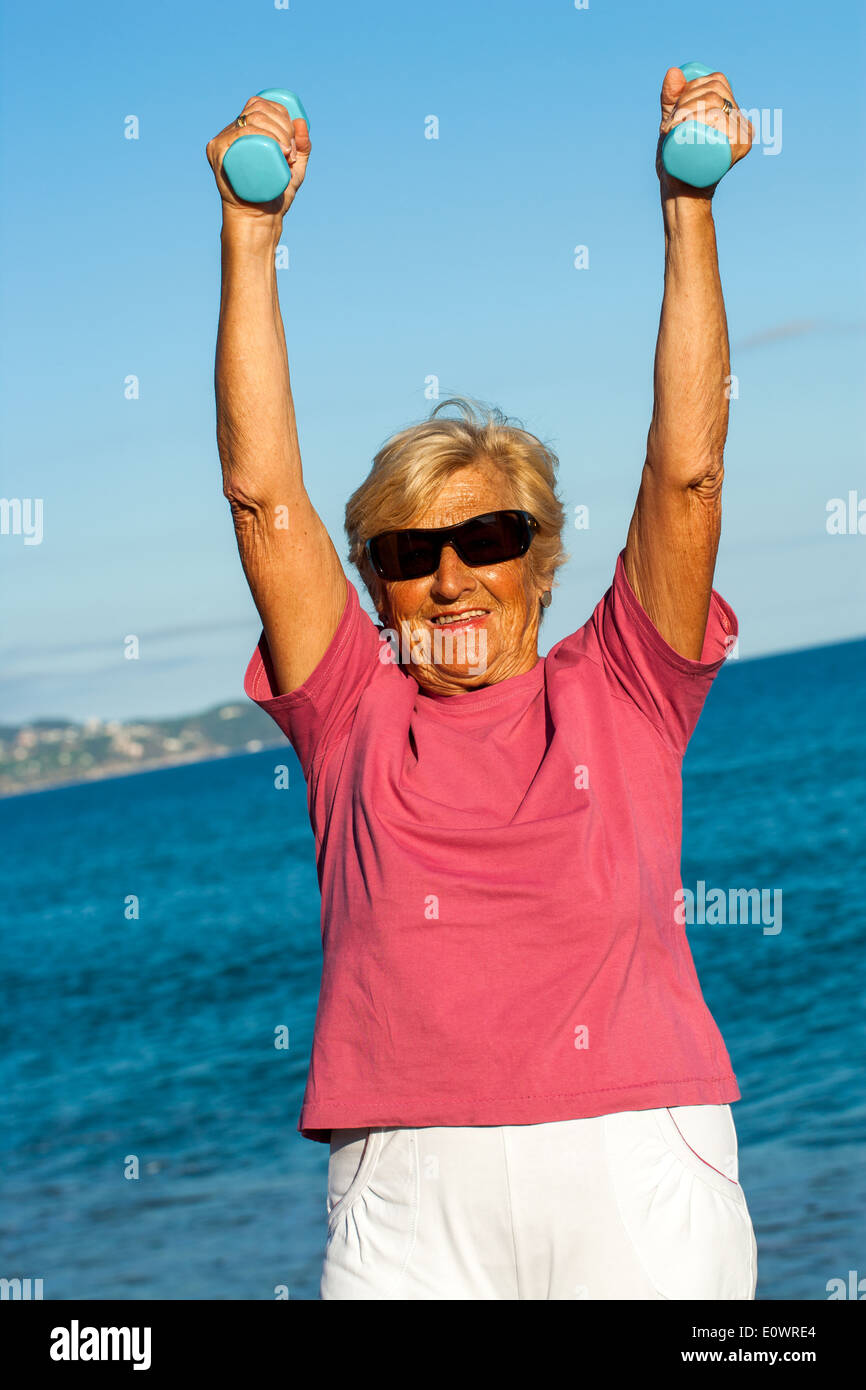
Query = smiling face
x=500 y=602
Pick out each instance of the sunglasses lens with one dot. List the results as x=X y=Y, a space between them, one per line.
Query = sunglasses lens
x=491 y=539
x=485 y=540
x=404 y=555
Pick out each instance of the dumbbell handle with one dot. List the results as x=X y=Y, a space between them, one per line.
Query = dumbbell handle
x=254 y=164
x=693 y=152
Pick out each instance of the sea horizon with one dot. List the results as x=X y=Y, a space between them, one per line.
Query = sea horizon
x=275 y=741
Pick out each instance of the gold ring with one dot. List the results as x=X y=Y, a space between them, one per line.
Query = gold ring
x=727 y=106
x=241 y=120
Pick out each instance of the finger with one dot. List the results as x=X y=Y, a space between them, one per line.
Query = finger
x=295 y=131
x=260 y=118
x=301 y=146
x=700 y=106
x=275 y=109
x=260 y=123
x=713 y=82
x=700 y=101
x=301 y=132
x=263 y=108
x=674 y=83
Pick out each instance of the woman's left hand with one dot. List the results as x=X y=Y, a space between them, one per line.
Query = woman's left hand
x=700 y=100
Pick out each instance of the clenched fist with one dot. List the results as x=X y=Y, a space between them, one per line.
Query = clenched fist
x=271 y=118
x=700 y=100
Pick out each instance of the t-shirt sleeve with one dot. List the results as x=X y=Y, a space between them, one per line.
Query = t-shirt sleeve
x=668 y=688
x=318 y=710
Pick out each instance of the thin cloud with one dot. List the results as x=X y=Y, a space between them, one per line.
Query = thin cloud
x=104 y=646
x=25 y=680
x=797 y=328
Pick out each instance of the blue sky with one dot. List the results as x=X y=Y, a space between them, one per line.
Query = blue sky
x=408 y=258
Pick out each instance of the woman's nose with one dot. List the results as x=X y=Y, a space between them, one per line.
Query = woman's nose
x=452 y=576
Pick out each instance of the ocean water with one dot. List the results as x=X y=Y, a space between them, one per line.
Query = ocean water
x=148 y=1040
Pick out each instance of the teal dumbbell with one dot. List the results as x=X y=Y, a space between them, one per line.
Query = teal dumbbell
x=693 y=152
x=254 y=165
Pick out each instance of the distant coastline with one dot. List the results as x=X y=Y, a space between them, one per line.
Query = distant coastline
x=52 y=753
x=49 y=753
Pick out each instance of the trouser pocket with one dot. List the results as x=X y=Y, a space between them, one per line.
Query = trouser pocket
x=686 y=1218
x=354 y=1153
x=704 y=1139
x=372 y=1211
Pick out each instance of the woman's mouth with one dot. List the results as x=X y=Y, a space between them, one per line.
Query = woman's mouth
x=462 y=618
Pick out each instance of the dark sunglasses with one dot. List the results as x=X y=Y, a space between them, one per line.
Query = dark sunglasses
x=482 y=540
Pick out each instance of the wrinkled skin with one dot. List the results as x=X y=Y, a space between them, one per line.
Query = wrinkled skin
x=507 y=592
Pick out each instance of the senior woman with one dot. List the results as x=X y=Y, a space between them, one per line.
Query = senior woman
x=524 y=1093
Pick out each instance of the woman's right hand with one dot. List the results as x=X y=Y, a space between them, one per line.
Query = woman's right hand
x=263 y=117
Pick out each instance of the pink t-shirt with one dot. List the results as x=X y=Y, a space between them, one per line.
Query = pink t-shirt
x=498 y=873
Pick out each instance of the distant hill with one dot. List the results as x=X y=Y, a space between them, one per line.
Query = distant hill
x=52 y=752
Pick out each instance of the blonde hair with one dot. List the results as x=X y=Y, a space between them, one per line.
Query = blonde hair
x=411 y=467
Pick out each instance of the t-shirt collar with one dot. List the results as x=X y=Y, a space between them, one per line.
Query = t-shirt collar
x=524 y=684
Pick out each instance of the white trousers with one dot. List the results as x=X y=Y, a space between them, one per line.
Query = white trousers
x=643 y=1204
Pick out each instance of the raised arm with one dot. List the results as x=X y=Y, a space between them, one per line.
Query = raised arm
x=290 y=562
x=673 y=538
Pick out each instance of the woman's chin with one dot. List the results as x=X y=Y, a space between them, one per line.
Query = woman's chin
x=448 y=680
